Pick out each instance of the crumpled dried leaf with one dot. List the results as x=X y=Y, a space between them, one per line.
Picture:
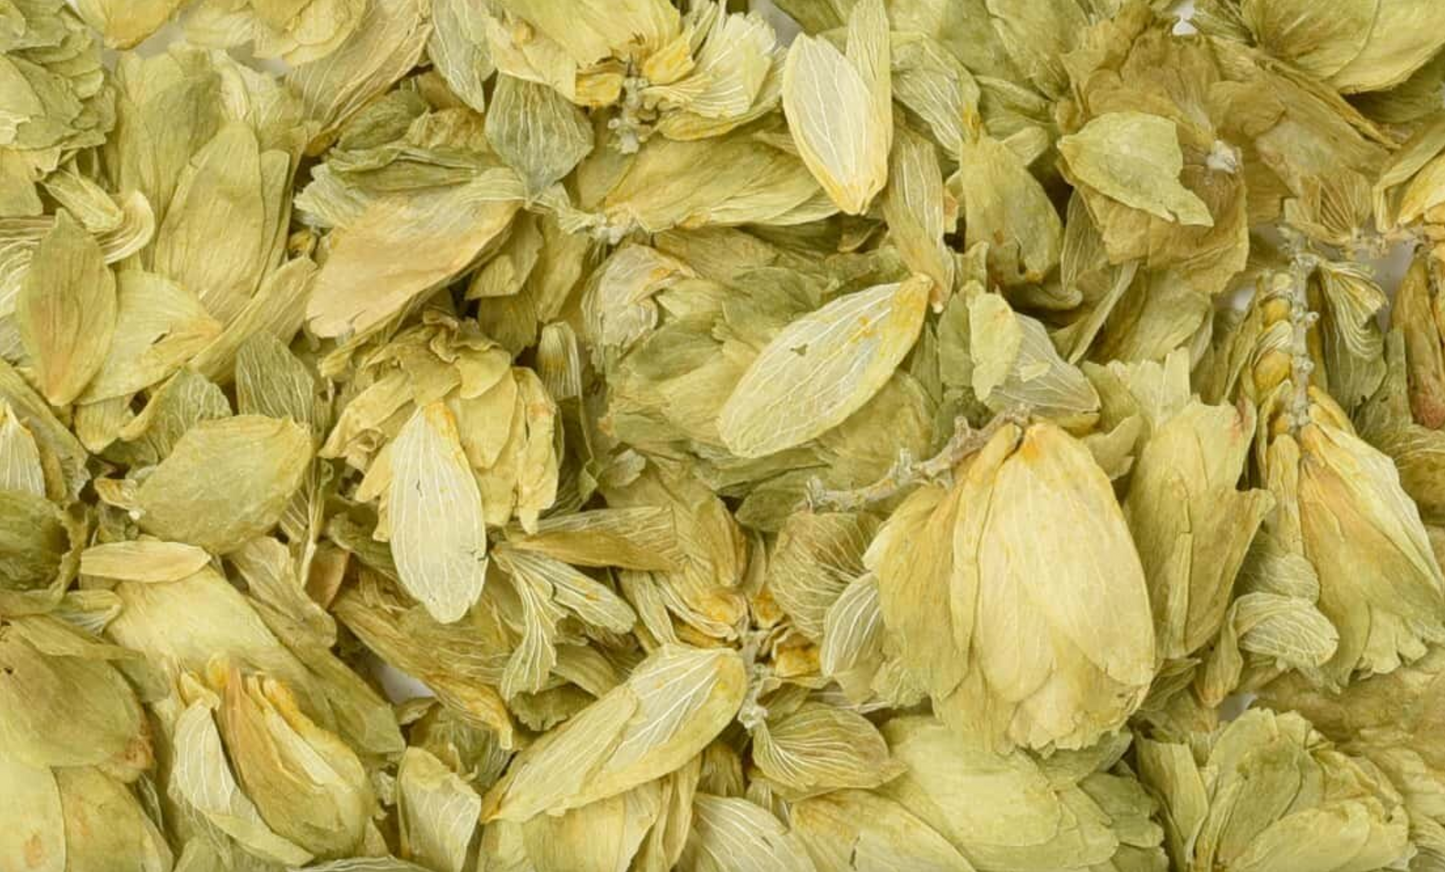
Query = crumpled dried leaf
x=1353 y=344
x=1006 y=208
x=62 y=457
x=916 y=210
x=854 y=830
x=458 y=49
x=382 y=47
x=819 y=748
x=438 y=811
x=816 y=557
x=1380 y=583
x=444 y=568
x=1134 y=158
x=1268 y=787
x=158 y=327
x=823 y=367
x=297 y=32
x=1013 y=811
x=373 y=274
x=143 y=560
x=20 y=466
x=204 y=782
x=1320 y=42
x=525 y=115
x=838 y=108
x=57 y=98
x=66 y=311
x=31 y=802
x=68 y=708
x=1192 y=524
x=225 y=481
x=225 y=226
x=672 y=705
x=1015 y=366
x=1390 y=720
x=106 y=824
x=989 y=601
x=307 y=784
x=1403 y=38
x=675 y=183
x=127 y=23
x=39 y=551
x=734 y=833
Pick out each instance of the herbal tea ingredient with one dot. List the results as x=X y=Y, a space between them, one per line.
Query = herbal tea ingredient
x=809 y=436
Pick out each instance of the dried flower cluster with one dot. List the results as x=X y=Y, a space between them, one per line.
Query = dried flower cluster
x=899 y=445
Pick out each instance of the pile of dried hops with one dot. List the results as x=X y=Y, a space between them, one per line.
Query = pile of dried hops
x=840 y=455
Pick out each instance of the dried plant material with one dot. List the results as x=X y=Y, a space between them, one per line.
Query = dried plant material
x=1402 y=40
x=66 y=311
x=1245 y=784
x=673 y=704
x=916 y=210
x=819 y=748
x=1006 y=209
x=815 y=558
x=61 y=455
x=643 y=537
x=822 y=368
x=636 y=435
x=205 y=783
x=125 y=24
x=295 y=31
x=432 y=484
x=674 y=184
x=32 y=802
x=374 y=274
x=228 y=201
x=735 y=833
x=459 y=49
x=20 y=468
x=385 y=43
x=270 y=381
x=57 y=98
x=1416 y=314
x=858 y=830
x=1192 y=525
x=1015 y=366
x=225 y=481
x=1352 y=342
x=986 y=627
x=1391 y=720
x=1365 y=538
x=537 y=132
x=438 y=811
x=307 y=784
x=98 y=722
x=143 y=560
x=159 y=326
x=838 y=108
x=1317 y=42
x=1068 y=811
x=105 y=822
x=593 y=30
x=1134 y=158
x=278 y=309
x=735 y=77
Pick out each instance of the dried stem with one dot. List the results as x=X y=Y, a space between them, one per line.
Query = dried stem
x=1371 y=243
x=752 y=713
x=907 y=472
